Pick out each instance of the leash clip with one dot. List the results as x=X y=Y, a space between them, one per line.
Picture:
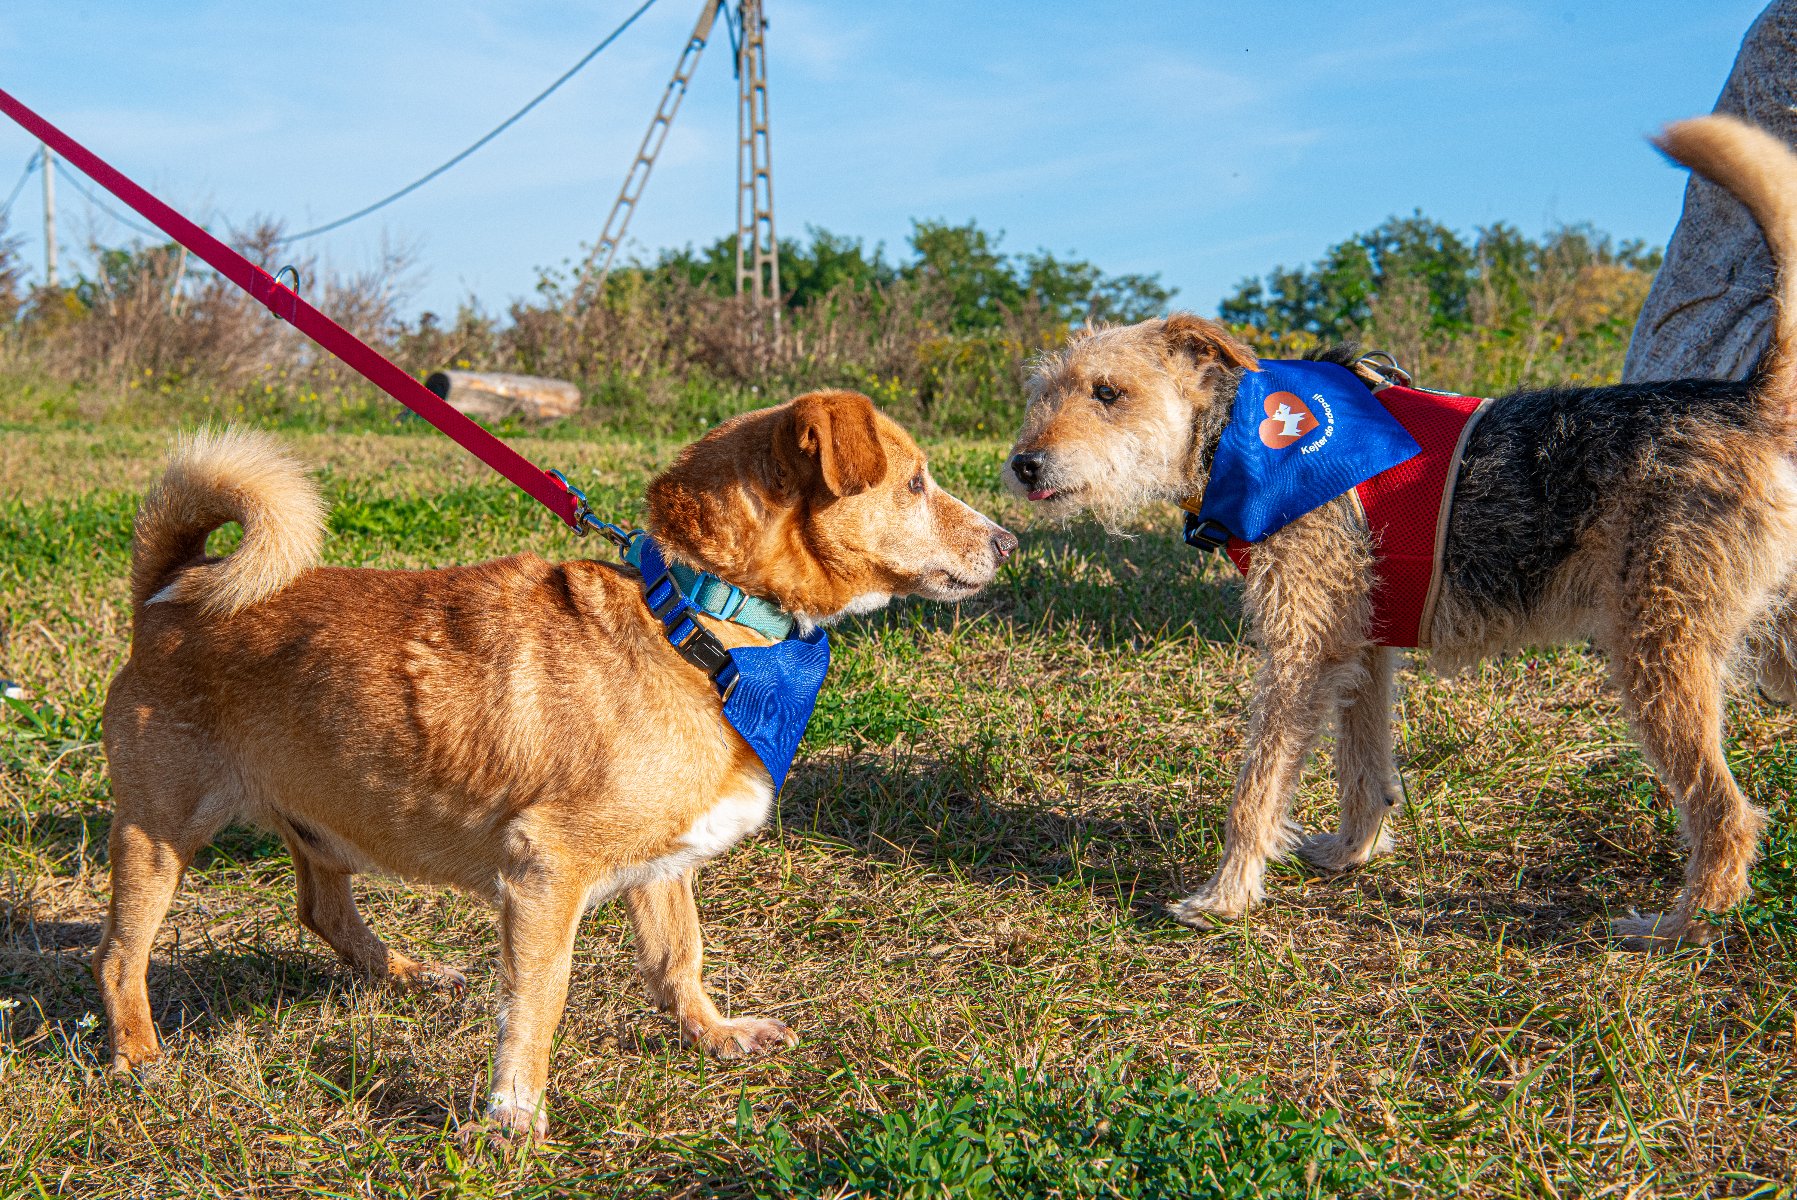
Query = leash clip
x=584 y=518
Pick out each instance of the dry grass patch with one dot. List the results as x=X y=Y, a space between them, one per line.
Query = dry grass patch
x=958 y=909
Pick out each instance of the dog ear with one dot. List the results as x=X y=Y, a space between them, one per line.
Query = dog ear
x=1206 y=342
x=837 y=431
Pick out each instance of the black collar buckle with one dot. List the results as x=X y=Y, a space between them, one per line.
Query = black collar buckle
x=1204 y=534
x=704 y=651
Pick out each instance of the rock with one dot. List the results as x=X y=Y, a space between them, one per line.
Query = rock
x=1709 y=315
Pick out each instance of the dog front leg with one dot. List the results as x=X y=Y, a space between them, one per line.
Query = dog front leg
x=668 y=953
x=539 y=913
x=1293 y=697
x=1367 y=780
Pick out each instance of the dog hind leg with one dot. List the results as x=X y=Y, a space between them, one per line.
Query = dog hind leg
x=327 y=906
x=1675 y=691
x=1367 y=778
x=1772 y=650
x=168 y=801
x=146 y=869
x=669 y=951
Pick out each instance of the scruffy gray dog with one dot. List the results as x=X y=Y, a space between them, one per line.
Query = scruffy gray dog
x=1657 y=520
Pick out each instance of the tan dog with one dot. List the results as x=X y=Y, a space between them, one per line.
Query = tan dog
x=520 y=730
x=1658 y=520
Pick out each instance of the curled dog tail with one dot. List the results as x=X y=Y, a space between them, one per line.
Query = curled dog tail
x=213 y=478
x=1761 y=172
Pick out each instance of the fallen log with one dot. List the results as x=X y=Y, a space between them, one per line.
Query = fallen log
x=494 y=396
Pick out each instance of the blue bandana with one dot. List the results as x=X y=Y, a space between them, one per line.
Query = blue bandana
x=1301 y=434
x=768 y=691
x=775 y=693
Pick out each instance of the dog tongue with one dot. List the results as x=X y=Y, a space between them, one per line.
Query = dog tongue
x=1041 y=493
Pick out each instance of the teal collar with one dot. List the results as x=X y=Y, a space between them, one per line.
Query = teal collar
x=714 y=597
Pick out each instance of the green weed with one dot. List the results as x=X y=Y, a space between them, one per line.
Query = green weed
x=1108 y=1132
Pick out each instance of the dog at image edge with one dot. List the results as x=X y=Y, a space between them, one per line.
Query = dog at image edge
x=1658 y=520
x=520 y=730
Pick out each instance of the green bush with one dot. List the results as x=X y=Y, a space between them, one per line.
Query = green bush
x=1484 y=315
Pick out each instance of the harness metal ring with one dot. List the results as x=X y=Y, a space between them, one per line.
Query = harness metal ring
x=1385 y=364
x=289 y=270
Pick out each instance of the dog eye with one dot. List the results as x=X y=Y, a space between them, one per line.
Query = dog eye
x=916 y=484
x=1104 y=393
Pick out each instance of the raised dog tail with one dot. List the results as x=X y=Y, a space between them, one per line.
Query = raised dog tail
x=1760 y=171
x=215 y=477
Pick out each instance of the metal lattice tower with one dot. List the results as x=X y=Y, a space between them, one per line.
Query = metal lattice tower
x=599 y=263
x=757 y=250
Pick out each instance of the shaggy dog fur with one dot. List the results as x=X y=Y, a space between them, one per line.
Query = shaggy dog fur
x=1658 y=521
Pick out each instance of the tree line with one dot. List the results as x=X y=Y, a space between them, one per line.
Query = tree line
x=941 y=333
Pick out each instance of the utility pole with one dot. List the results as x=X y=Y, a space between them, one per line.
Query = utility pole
x=599 y=263
x=48 y=160
x=757 y=250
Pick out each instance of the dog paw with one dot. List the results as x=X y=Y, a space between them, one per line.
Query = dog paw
x=127 y=1062
x=746 y=1036
x=509 y=1122
x=1662 y=932
x=428 y=977
x=130 y=1053
x=1209 y=906
x=1334 y=852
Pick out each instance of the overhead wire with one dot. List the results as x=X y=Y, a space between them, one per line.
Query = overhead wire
x=30 y=166
x=74 y=181
x=484 y=139
x=35 y=162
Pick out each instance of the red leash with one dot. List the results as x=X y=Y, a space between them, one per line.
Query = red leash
x=286 y=303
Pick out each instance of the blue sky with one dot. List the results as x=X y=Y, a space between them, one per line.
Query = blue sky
x=1204 y=141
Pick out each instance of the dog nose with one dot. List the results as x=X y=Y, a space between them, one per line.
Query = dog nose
x=1027 y=468
x=1004 y=542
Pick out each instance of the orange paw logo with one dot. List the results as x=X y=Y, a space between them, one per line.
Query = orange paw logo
x=1288 y=420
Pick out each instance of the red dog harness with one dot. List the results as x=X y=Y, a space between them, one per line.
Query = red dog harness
x=1406 y=510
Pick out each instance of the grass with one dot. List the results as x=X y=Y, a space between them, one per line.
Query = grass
x=957 y=908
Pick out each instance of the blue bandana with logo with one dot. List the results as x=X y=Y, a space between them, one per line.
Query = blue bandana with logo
x=1301 y=433
x=769 y=692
